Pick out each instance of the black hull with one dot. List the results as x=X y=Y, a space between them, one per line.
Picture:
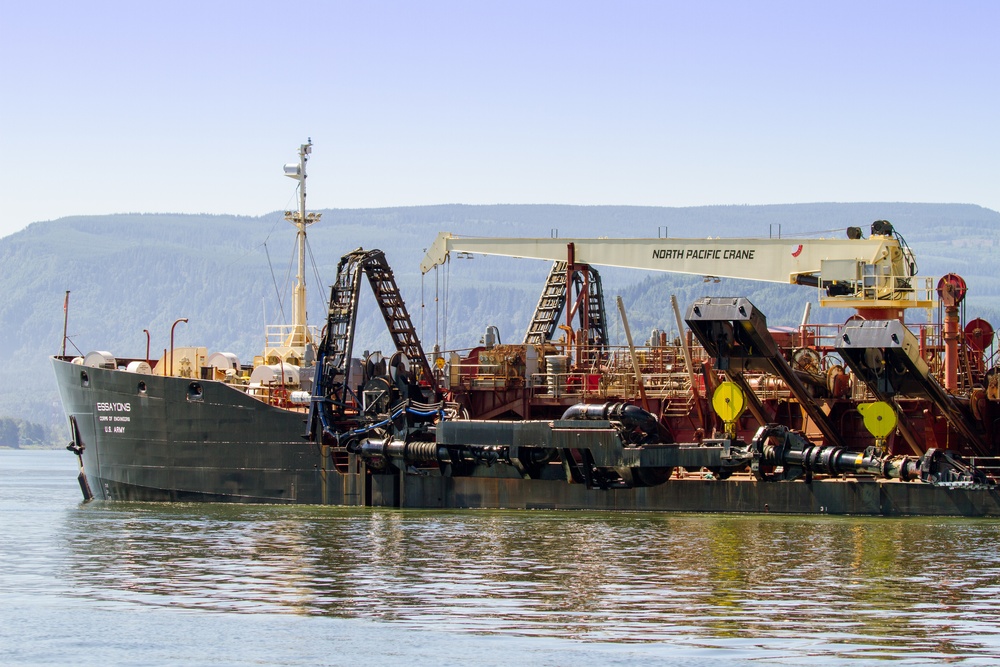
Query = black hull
x=160 y=445
x=168 y=444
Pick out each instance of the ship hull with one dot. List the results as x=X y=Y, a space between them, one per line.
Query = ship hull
x=155 y=438
x=150 y=438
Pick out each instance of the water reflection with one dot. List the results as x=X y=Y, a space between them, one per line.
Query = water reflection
x=786 y=586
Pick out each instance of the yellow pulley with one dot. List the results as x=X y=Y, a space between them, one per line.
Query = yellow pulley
x=880 y=418
x=728 y=401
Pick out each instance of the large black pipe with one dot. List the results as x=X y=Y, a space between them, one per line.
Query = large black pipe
x=411 y=452
x=628 y=415
x=778 y=446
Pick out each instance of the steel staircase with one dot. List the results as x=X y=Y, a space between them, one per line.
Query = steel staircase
x=550 y=306
x=552 y=301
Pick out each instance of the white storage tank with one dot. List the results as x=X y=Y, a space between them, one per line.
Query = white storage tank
x=100 y=359
x=300 y=398
x=224 y=361
x=139 y=367
x=275 y=374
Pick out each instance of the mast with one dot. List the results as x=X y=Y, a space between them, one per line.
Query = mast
x=66 y=322
x=299 y=336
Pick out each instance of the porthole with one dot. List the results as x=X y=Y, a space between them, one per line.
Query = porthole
x=194 y=391
x=142 y=387
x=84 y=379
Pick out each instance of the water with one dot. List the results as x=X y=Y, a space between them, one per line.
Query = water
x=154 y=584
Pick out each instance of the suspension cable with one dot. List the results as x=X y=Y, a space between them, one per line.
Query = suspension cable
x=447 y=291
x=316 y=275
x=437 y=307
x=274 y=281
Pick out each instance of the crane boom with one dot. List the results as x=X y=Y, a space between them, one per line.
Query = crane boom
x=875 y=269
x=771 y=260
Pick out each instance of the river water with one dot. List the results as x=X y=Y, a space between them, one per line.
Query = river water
x=150 y=584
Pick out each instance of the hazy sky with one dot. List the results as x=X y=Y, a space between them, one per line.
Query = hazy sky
x=195 y=106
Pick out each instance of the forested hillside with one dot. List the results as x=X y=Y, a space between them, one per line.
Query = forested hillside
x=131 y=272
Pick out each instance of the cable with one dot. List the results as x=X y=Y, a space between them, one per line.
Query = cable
x=319 y=279
x=274 y=281
x=822 y=231
x=447 y=291
x=288 y=273
x=437 y=307
x=907 y=253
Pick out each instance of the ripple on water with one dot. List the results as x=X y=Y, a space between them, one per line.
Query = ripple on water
x=843 y=586
x=802 y=589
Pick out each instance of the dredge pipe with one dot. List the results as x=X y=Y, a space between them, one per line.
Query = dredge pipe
x=380 y=454
x=776 y=445
x=411 y=452
x=839 y=461
x=630 y=416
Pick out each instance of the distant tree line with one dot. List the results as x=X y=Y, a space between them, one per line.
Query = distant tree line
x=18 y=433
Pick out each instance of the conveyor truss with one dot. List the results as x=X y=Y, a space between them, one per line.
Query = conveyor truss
x=587 y=305
x=331 y=399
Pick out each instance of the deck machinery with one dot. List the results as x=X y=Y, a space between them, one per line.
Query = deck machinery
x=406 y=425
x=866 y=418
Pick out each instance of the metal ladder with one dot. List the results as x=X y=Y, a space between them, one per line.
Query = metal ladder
x=596 y=313
x=337 y=345
x=394 y=312
x=552 y=301
x=338 y=342
x=550 y=304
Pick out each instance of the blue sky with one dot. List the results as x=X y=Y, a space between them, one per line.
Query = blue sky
x=194 y=106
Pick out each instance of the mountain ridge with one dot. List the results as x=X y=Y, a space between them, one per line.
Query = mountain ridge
x=128 y=272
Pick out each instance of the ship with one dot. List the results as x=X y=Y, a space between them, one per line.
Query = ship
x=868 y=417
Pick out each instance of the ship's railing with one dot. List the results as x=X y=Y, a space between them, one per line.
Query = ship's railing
x=821 y=337
x=659 y=364
x=610 y=372
x=611 y=375
x=616 y=385
x=869 y=287
x=824 y=336
x=973 y=362
x=991 y=357
x=621 y=384
x=988 y=464
x=289 y=335
x=275 y=395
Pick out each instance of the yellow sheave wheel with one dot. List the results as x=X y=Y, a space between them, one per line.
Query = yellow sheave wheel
x=880 y=418
x=728 y=401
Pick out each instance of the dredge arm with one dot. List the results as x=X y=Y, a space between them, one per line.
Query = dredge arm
x=616 y=445
x=778 y=453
